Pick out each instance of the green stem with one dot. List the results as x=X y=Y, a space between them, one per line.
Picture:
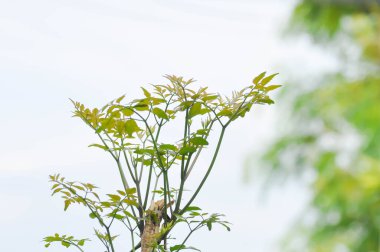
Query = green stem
x=208 y=171
x=188 y=171
x=110 y=239
x=183 y=179
x=148 y=185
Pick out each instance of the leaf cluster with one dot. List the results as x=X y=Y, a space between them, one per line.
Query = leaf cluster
x=150 y=166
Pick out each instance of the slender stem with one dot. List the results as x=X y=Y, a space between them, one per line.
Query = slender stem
x=188 y=171
x=129 y=166
x=208 y=171
x=122 y=175
x=165 y=177
x=148 y=185
x=110 y=239
x=182 y=183
x=168 y=192
x=125 y=184
x=155 y=186
x=132 y=236
x=183 y=166
x=188 y=236
x=75 y=245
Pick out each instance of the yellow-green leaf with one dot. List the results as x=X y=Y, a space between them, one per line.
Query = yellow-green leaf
x=258 y=78
x=195 y=109
x=272 y=87
x=198 y=141
x=98 y=146
x=160 y=113
x=146 y=93
x=266 y=80
x=67 y=204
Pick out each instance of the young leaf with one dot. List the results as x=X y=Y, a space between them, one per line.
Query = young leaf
x=118 y=100
x=127 y=111
x=272 y=87
x=146 y=93
x=198 y=141
x=267 y=79
x=131 y=127
x=98 y=146
x=114 y=197
x=258 y=78
x=187 y=150
x=192 y=208
x=66 y=244
x=160 y=113
x=166 y=147
x=177 y=247
x=67 y=204
x=81 y=242
x=195 y=110
x=209 y=225
x=130 y=190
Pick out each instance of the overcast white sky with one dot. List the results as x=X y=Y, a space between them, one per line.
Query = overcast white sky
x=94 y=51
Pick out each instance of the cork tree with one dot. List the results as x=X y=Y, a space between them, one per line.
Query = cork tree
x=154 y=163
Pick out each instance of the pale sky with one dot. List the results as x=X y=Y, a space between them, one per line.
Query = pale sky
x=94 y=51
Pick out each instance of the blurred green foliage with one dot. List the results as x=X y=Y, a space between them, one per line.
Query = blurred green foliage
x=334 y=132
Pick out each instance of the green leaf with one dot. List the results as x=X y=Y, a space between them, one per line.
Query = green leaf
x=122 y=193
x=57 y=190
x=266 y=100
x=131 y=190
x=79 y=187
x=166 y=147
x=195 y=110
x=141 y=107
x=258 y=78
x=129 y=215
x=209 y=98
x=118 y=100
x=185 y=104
x=117 y=216
x=177 y=247
x=131 y=127
x=146 y=93
x=202 y=132
x=160 y=113
x=225 y=112
x=105 y=204
x=98 y=146
x=209 y=225
x=198 y=141
x=67 y=204
x=157 y=101
x=144 y=151
x=66 y=244
x=114 y=197
x=227 y=227
x=127 y=112
x=192 y=208
x=272 y=87
x=181 y=247
x=81 y=242
x=267 y=79
x=187 y=150
x=131 y=202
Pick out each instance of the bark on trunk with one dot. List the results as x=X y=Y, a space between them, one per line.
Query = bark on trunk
x=152 y=225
